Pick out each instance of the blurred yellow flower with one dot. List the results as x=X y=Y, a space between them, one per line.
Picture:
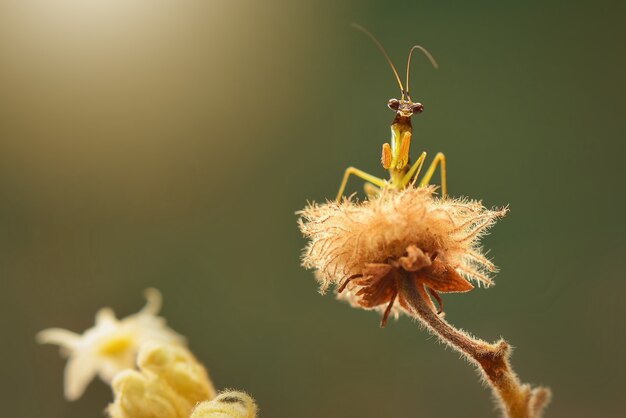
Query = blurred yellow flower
x=110 y=346
x=168 y=384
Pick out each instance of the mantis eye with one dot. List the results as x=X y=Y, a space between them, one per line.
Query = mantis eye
x=417 y=107
x=394 y=104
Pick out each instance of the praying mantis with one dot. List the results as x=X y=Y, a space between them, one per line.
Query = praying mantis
x=395 y=155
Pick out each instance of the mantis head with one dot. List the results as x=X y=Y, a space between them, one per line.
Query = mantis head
x=405 y=108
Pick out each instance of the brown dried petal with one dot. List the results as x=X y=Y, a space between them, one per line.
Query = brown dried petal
x=444 y=278
x=377 y=287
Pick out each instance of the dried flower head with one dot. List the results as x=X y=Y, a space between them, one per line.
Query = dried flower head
x=368 y=248
x=110 y=346
x=169 y=384
x=228 y=404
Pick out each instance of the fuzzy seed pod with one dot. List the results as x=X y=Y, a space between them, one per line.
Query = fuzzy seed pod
x=366 y=248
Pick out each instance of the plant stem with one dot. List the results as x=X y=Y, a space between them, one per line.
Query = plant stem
x=516 y=400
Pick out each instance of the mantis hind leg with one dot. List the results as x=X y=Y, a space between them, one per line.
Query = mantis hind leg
x=359 y=173
x=440 y=159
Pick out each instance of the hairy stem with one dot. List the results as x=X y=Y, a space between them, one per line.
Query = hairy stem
x=516 y=400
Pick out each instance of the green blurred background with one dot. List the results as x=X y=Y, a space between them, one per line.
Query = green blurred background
x=168 y=144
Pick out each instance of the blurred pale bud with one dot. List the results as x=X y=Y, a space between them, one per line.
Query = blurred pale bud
x=228 y=404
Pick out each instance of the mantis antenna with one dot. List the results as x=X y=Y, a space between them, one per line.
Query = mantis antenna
x=382 y=49
x=408 y=65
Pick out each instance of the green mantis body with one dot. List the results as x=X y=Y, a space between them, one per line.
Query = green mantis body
x=395 y=155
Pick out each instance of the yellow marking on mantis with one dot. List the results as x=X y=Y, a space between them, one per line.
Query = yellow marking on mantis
x=395 y=155
x=385 y=159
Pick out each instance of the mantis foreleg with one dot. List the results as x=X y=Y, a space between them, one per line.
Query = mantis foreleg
x=414 y=171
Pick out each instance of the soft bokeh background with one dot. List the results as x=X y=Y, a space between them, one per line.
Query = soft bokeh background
x=168 y=144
